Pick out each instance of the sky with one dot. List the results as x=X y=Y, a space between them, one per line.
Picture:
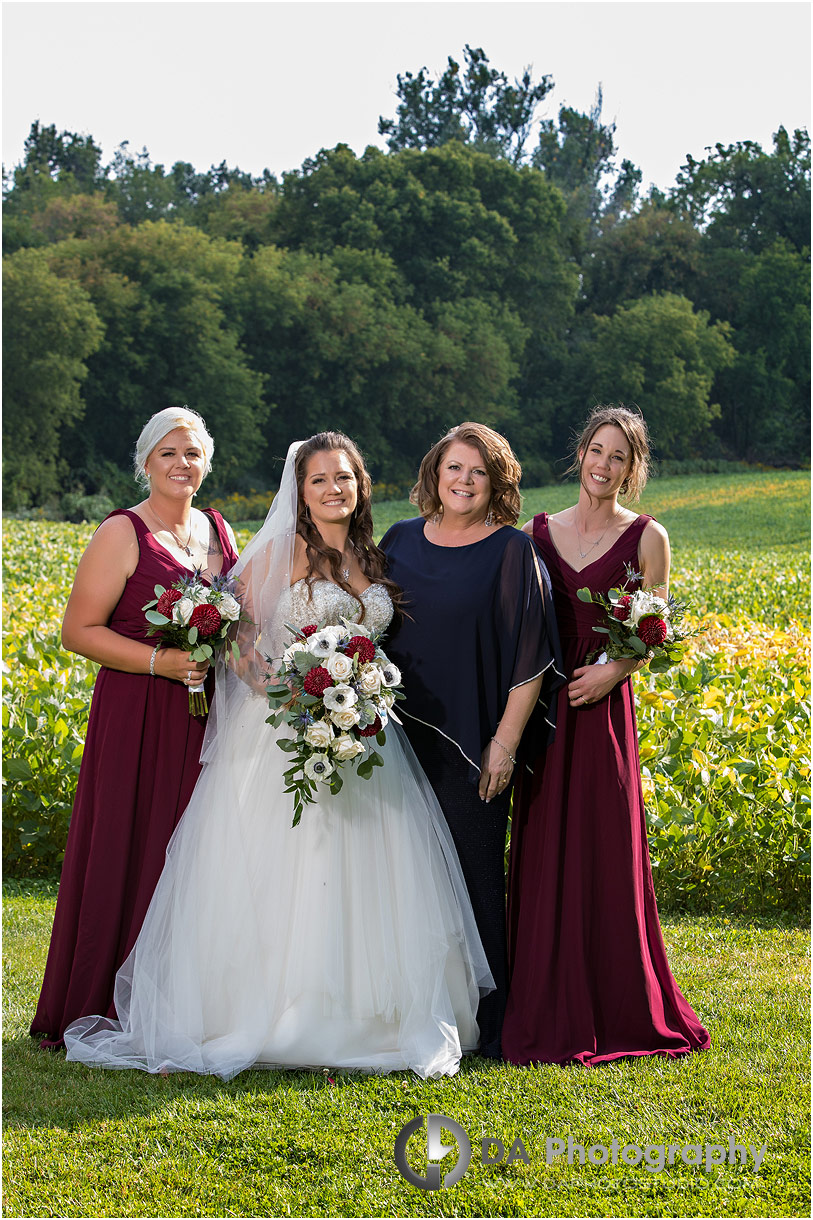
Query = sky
x=266 y=85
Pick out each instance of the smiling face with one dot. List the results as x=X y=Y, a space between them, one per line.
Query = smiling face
x=176 y=465
x=464 y=488
x=605 y=463
x=329 y=488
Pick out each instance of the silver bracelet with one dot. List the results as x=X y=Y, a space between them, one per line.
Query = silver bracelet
x=152 y=660
x=502 y=747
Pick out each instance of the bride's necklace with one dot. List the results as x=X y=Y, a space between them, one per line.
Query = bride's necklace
x=593 y=545
x=346 y=571
x=184 y=546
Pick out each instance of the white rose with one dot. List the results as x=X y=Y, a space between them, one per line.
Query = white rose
x=345 y=718
x=319 y=767
x=229 y=607
x=390 y=674
x=199 y=594
x=387 y=697
x=346 y=747
x=339 y=666
x=182 y=611
x=319 y=734
x=337 y=698
x=370 y=679
x=352 y=629
x=644 y=604
x=297 y=646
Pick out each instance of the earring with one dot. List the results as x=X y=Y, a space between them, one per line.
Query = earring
x=490 y=516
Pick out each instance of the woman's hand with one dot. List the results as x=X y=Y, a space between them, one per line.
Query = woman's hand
x=496 y=770
x=179 y=667
x=592 y=682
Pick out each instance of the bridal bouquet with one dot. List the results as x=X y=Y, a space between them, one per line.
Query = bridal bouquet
x=640 y=626
x=196 y=617
x=334 y=687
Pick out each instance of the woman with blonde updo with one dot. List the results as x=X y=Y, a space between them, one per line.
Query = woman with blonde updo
x=141 y=757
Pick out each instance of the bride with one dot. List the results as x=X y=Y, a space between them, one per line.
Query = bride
x=347 y=941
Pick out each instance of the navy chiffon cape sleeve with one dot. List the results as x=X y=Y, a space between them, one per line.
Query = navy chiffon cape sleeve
x=479 y=622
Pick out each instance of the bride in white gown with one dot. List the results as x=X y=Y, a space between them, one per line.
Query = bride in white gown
x=347 y=941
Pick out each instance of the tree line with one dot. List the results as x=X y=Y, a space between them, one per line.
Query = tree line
x=487 y=265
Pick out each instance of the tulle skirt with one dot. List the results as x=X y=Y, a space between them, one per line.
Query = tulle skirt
x=346 y=941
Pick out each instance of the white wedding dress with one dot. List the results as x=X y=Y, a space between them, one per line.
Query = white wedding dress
x=347 y=941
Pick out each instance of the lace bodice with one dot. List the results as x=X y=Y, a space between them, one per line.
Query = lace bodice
x=329 y=604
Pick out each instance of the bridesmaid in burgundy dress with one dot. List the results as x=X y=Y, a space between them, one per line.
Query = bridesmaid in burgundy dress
x=589 y=980
x=140 y=762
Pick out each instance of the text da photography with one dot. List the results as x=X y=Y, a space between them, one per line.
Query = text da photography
x=421 y=1149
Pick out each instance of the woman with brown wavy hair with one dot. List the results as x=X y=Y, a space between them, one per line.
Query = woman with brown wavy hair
x=478 y=648
x=590 y=981
x=334 y=519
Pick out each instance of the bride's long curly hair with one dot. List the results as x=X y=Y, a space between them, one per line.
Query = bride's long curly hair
x=322 y=558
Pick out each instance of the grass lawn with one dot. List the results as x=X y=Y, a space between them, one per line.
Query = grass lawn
x=84 y=1142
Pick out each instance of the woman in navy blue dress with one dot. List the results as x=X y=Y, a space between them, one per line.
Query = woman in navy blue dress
x=478 y=651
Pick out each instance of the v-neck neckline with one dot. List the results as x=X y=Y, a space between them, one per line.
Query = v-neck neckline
x=593 y=562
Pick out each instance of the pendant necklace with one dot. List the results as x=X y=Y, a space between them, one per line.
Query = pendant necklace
x=593 y=545
x=183 y=546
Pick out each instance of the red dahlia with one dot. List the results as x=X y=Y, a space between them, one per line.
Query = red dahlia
x=317 y=680
x=652 y=630
x=309 y=630
x=167 y=600
x=371 y=729
x=207 y=620
x=360 y=646
x=621 y=609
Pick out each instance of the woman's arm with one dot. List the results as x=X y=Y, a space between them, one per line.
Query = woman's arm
x=655 y=556
x=104 y=569
x=496 y=767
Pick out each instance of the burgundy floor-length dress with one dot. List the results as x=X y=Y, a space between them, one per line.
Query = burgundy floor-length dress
x=589 y=978
x=139 y=768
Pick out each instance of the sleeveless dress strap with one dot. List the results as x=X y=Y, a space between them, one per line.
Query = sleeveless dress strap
x=220 y=529
x=141 y=528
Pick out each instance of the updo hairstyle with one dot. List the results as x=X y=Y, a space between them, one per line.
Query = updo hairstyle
x=632 y=424
x=159 y=426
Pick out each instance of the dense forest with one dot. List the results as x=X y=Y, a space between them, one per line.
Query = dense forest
x=489 y=265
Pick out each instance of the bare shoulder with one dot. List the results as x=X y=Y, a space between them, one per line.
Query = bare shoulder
x=654 y=535
x=114 y=534
x=112 y=554
x=528 y=527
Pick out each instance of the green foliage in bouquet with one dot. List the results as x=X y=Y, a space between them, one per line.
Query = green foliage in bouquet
x=334 y=687
x=640 y=626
